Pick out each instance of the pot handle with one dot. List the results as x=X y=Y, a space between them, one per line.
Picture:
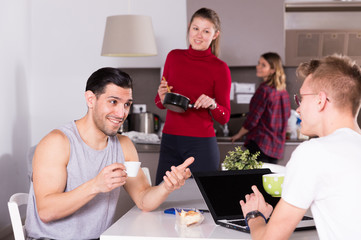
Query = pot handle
x=238 y=115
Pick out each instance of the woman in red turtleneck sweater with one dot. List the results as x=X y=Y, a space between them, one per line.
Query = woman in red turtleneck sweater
x=198 y=74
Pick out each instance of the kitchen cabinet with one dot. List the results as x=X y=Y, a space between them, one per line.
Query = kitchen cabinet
x=249 y=28
x=150 y=160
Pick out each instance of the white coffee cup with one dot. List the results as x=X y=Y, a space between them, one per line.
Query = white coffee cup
x=132 y=168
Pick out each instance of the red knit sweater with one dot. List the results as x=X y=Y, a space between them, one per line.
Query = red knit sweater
x=193 y=73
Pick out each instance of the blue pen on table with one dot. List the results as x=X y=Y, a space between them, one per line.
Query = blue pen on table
x=172 y=210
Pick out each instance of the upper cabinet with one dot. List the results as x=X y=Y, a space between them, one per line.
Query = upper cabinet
x=249 y=28
x=317 y=29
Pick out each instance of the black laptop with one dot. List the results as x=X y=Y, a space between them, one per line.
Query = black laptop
x=222 y=191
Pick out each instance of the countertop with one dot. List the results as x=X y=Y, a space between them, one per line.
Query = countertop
x=147 y=147
x=154 y=148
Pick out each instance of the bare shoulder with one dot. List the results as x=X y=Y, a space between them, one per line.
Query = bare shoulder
x=124 y=139
x=55 y=138
x=54 y=144
x=129 y=150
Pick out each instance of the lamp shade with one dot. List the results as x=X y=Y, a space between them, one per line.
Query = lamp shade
x=129 y=36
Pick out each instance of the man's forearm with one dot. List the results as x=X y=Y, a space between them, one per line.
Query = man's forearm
x=257 y=227
x=153 y=197
x=59 y=205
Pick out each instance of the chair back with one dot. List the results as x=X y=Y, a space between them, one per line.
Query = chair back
x=147 y=174
x=15 y=201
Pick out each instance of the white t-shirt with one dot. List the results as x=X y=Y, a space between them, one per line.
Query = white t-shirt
x=325 y=174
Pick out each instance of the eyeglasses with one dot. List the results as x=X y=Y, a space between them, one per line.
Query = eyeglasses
x=298 y=99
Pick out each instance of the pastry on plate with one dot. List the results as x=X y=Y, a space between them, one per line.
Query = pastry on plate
x=190 y=218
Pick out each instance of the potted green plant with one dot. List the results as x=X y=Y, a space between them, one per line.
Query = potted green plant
x=241 y=160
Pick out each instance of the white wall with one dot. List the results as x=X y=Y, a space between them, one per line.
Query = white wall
x=48 y=49
x=14 y=101
x=66 y=44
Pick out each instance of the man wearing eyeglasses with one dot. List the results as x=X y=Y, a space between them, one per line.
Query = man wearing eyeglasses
x=323 y=173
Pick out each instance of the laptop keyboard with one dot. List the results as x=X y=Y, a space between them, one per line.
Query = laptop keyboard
x=240 y=222
x=307 y=218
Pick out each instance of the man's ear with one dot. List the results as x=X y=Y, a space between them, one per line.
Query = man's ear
x=322 y=100
x=90 y=98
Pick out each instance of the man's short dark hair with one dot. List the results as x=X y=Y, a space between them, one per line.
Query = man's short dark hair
x=104 y=76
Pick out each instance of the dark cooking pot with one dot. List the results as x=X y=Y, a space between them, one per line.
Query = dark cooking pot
x=176 y=102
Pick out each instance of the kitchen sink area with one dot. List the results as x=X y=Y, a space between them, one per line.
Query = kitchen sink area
x=224 y=139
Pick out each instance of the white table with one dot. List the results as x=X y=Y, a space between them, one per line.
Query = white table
x=136 y=224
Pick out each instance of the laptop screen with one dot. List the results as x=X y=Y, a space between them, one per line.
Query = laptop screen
x=222 y=190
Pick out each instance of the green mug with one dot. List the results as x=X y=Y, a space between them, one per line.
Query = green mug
x=273 y=183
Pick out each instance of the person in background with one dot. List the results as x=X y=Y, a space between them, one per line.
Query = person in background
x=198 y=74
x=323 y=173
x=78 y=169
x=266 y=123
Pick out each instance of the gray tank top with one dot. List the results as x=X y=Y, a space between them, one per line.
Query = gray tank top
x=97 y=215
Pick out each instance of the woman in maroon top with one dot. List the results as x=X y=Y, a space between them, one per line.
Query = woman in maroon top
x=198 y=74
x=269 y=110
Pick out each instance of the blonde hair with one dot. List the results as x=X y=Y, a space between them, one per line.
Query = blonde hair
x=338 y=76
x=278 y=78
x=212 y=16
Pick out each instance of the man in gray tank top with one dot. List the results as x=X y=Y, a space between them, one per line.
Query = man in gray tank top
x=78 y=168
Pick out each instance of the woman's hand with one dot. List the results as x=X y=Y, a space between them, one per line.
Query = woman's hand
x=236 y=137
x=163 y=89
x=240 y=134
x=205 y=102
